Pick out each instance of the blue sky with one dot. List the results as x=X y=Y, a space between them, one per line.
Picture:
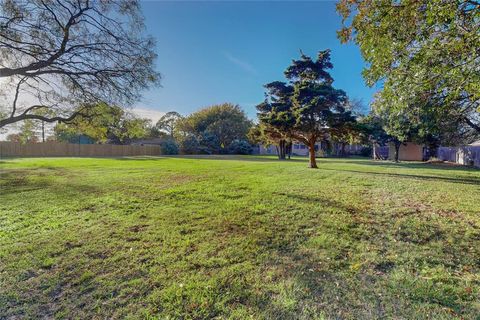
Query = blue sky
x=214 y=52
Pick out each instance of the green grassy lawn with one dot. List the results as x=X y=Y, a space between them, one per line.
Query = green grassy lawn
x=238 y=237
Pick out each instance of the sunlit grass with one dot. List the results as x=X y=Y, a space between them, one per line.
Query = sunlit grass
x=238 y=237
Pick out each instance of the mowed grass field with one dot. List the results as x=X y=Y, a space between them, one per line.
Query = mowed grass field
x=238 y=238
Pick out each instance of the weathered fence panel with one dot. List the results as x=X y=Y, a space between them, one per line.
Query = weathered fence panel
x=467 y=155
x=60 y=149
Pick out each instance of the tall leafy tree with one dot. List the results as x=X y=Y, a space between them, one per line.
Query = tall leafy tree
x=424 y=122
x=425 y=53
x=346 y=131
x=26 y=134
x=69 y=55
x=214 y=128
x=167 y=123
x=399 y=129
x=105 y=123
x=371 y=128
x=307 y=106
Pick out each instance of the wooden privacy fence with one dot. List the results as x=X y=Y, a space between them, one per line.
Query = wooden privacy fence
x=59 y=149
x=468 y=155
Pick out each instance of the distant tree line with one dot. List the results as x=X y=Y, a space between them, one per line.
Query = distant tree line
x=218 y=129
x=305 y=108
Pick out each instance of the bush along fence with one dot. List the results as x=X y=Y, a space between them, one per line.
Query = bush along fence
x=467 y=155
x=58 y=149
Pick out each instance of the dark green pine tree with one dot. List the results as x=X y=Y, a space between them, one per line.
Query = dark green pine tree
x=307 y=106
x=275 y=115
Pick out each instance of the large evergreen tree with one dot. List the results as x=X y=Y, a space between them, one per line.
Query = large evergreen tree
x=307 y=106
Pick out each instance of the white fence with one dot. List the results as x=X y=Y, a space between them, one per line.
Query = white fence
x=468 y=155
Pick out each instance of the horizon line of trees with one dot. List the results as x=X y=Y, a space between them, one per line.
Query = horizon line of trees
x=217 y=129
x=225 y=128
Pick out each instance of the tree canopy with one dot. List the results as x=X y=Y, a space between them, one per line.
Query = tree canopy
x=168 y=122
x=307 y=106
x=425 y=53
x=213 y=128
x=104 y=123
x=68 y=55
x=26 y=133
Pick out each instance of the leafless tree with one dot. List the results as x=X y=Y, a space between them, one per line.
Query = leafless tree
x=66 y=55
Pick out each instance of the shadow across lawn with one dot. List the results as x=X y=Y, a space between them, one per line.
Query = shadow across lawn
x=473 y=181
x=31 y=180
x=214 y=157
x=315 y=280
x=322 y=283
x=142 y=158
x=320 y=161
x=403 y=165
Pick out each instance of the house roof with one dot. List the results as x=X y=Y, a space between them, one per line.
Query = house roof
x=148 y=141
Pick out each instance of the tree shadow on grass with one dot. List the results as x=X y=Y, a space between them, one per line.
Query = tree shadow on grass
x=404 y=165
x=319 y=288
x=320 y=161
x=142 y=158
x=472 y=181
x=19 y=181
x=330 y=288
x=247 y=158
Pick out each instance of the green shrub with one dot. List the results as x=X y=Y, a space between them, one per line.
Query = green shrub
x=169 y=146
x=189 y=145
x=240 y=147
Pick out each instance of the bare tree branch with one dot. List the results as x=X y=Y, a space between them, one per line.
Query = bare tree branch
x=71 y=53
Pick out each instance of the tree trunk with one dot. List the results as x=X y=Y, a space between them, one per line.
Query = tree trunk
x=432 y=151
x=374 y=151
x=311 y=149
x=289 y=149
x=43 y=131
x=397 y=150
x=282 y=149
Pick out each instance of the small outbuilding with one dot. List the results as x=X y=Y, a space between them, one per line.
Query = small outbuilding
x=147 y=142
x=408 y=151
